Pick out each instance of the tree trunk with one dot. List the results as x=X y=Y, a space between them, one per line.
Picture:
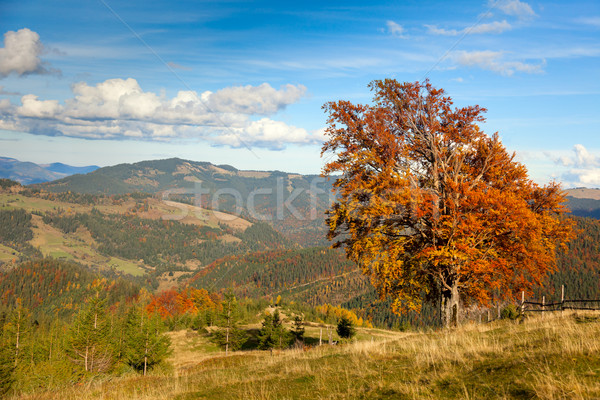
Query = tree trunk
x=227 y=341
x=18 y=334
x=85 y=359
x=450 y=306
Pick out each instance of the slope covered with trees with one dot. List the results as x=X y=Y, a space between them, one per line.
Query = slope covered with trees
x=292 y=203
x=315 y=275
x=51 y=288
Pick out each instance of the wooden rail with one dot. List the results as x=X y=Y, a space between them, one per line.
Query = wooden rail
x=563 y=304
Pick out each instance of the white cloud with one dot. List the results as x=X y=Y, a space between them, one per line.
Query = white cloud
x=434 y=30
x=492 y=27
x=261 y=99
x=584 y=158
x=581 y=158
x=32 y=107
x=119 y=108
x=514 y=8
x=395 y=29
x=21 y=54
x=268 y=133
x=585 y=167
x=494 y=61
x=586 y=177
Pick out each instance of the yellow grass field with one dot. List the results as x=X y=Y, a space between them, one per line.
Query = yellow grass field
x=552 y=358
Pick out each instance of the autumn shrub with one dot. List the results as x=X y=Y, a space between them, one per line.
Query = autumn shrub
x=511 y=311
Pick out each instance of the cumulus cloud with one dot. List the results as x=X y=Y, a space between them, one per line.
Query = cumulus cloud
x=261 y=99
x=268 y=133
x=119 y=109
x=514 y=8
x=21 y=54
x=34 y=108
x=395 y=29
x=492 y=27
x=494 y=61
x=584 y=167
x=580 y=159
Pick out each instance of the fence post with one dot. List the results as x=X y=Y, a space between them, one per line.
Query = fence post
x=522 y=306
x=543 y=305
x=562 y=299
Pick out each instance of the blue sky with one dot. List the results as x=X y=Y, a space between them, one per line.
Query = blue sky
x=242 y=83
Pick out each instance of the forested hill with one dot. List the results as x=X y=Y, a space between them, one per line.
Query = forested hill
x=584 y=202
x=52 y=288
x=293 y=204
x=159 y=175
x=136 y=235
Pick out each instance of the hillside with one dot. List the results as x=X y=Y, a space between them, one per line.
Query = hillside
x=134 y=234
x=167 y=243
x=314 y=276
x=53 y=288
x=30 y=173
x=293 y=204
x=584 y=202
x=551 y=358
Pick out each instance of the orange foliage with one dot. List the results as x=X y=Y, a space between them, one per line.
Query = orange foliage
x=429 y=204
x=338 y=312
x=171 y=303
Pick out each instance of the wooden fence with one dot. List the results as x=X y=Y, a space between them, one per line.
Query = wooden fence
x=563 y=304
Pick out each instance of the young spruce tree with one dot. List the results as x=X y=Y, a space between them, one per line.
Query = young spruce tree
x=229 y=335
x=146 y=344
x=273 y=334
x=345 y=328
x=89 y=338
x=298 y=329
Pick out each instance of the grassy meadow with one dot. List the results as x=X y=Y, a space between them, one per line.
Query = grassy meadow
x=556 y=357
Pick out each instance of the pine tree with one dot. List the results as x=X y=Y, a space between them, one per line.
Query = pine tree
x=16 y=328
x=146 y=344
x=89 y=344
x=345 y=328
x=229 y=335
x=273 y=334
x=298 y=329
x=7 y=368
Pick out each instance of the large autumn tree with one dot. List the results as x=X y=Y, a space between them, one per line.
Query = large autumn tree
x=432 y=207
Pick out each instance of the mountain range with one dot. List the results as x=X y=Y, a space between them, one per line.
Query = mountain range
x=27 y=173
x=275 y=195
x=175 y=222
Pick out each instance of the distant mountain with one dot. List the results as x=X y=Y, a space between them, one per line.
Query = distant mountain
x=30 y=173
x=293 y=204
x=584 y=202
x=65 y=169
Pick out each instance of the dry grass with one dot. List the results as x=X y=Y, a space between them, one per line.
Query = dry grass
x=552 y=358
